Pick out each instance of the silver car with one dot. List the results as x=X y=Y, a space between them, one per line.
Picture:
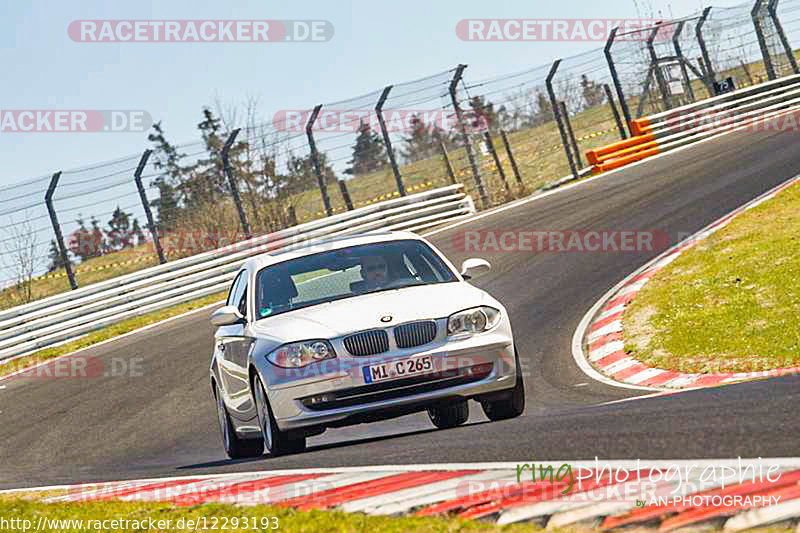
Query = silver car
x=355 y=330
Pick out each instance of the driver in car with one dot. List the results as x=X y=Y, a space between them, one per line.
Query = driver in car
x=374 y=272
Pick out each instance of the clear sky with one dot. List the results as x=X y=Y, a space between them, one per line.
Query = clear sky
x=375 y=43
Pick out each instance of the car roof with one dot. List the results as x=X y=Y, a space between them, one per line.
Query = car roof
x=326 y=244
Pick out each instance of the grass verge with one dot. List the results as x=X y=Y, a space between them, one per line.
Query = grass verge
x=106 y=333
x=729 y=304
x=256 y=518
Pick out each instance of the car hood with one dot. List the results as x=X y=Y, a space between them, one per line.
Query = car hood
x=358 y=313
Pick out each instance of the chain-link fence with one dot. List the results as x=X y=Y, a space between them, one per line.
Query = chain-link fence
x=502 y=137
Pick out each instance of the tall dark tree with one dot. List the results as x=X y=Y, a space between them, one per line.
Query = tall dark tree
x=483 y=115
x=369 y=154
x=97 y=236
x=119 y=235
x=207 y=178
x=56 y=260
x=167 y=160
x=420 y=143
x=302 y=176
x=85 y=243
x=167 y=206
x=137 y=232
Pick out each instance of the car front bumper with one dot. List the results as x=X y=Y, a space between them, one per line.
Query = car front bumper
x=337 y=393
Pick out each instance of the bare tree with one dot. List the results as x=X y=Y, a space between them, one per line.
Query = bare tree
x=23 y=257
x=229 y=115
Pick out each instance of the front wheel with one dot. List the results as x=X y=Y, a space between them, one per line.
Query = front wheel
x=512 y=404
x=235 y=447
x=276 y=442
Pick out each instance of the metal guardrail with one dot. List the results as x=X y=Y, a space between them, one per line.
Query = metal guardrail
x=27 y=328
x=695 y=122
x=666 y=122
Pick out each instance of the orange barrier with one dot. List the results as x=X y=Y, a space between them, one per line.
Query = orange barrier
x=622 y=161
x=596 y=156
x=640 y=126
x=629 y=151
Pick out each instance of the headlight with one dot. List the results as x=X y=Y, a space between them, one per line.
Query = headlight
x=473 y=320
x=299 y=354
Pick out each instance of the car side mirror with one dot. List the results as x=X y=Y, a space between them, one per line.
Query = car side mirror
x=227 y=315
x=474 y=267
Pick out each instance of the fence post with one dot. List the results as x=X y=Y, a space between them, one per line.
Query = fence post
x=615 y=111
x=388 y=142
x=447 y=164
x=513 y=161
x=709 y=68
x=490 y=145
x=755 y=14
x=226 y=164
x=557 y=116
x=48 y=199
x=772 y=7
x=682 y=60
x=312 y=146
x=573 y=141
x=345 y=194
x=704 y=72
x=465 y=136
x=660 y=81
x=137 y=176
x=615 y=78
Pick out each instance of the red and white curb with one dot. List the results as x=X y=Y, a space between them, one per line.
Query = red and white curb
x=601 y=340
x=738 y=494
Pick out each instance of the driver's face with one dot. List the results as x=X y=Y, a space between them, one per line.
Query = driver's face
x=373 y=269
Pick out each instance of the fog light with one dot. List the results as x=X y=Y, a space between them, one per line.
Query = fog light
x=478 y=370
x=321 y=398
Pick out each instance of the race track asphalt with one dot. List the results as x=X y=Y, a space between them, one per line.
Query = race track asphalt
x=162 y=422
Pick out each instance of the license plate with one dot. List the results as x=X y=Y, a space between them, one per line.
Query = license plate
x=398 y=369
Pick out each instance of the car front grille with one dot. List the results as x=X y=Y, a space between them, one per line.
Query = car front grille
x=367 y=342
x=415 y=334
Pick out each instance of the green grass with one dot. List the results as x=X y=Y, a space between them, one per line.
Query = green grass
x=288 y=520
x=731 y=303
x=108 y=332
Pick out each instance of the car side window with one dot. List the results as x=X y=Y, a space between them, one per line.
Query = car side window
x=242 y=303
x=233 y=292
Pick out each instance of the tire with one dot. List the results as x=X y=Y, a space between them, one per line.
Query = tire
x=275 y=441
x=514 y=402
x=235 y=447
x=450 y=414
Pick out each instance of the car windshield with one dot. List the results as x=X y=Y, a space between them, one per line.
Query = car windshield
x=347 y=272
